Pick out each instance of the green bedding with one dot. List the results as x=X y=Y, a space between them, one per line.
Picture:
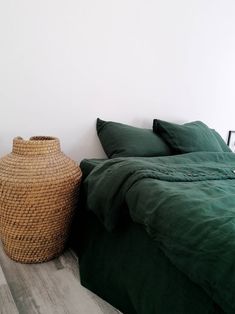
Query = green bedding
x=126 y=269
x=186 y=203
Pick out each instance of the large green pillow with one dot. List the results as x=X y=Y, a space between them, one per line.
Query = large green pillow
x=121 y=140
x=189 y=137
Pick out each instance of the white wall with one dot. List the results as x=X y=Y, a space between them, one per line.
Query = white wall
x=65 y=62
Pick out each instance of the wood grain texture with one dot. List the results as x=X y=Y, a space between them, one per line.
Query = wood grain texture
x=48 y=288
x=7 y=304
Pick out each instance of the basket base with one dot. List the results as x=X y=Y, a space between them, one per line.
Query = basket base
x=27 y=257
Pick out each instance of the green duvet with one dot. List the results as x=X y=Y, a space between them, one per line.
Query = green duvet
x=186 y=204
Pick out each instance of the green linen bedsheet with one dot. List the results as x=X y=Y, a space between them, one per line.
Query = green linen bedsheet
x=125 y=268
x=186 y=203
x=128 y=270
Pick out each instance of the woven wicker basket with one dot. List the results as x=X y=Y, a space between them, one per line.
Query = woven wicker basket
x=39 y=189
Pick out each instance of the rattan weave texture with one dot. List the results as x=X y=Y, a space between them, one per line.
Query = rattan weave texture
x=39 y=189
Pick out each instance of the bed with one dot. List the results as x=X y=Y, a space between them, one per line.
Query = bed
x=157 y=234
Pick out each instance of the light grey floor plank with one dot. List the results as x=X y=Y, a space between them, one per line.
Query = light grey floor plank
x=7 y=304
x=51 y=288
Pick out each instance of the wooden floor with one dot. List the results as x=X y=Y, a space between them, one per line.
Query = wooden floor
x=47 y=288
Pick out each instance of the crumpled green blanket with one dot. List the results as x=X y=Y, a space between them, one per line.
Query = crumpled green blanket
x=187 y=205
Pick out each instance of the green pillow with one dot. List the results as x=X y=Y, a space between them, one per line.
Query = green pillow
x=189 y=137
x=222 y=143
x=121 y=140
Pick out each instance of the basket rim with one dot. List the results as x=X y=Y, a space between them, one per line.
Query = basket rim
x=36 y=139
